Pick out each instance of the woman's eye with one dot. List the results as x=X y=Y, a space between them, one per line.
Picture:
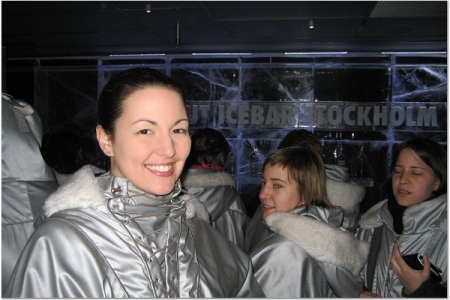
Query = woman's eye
x=145 y=131
x=277 y=186
x=180 y=131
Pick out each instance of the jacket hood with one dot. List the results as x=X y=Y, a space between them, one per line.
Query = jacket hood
x=372 y=217
x=213 y=188
x=336 y=172
x=82 y=190
x=345 y=194
x=321 y=241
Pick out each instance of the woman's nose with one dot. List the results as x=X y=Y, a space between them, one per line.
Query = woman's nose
x=403 y=177
x=166 y=146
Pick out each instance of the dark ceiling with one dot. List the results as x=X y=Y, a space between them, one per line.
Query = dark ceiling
x=101 y=28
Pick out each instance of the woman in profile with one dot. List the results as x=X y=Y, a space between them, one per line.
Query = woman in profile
x=305 y=255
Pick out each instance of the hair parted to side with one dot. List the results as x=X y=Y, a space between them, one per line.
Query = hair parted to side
x=431 y=153
x=208 y=145
x=122 y=85
x=305 y=167
x=301 y=137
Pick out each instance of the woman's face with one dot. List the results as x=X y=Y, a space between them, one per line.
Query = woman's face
x=277 y=192
x=413 y=181
x=151 y=140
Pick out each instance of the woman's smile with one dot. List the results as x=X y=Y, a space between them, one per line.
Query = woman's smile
x=161 y=170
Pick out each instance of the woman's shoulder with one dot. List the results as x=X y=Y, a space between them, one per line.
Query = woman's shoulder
x=215 y=251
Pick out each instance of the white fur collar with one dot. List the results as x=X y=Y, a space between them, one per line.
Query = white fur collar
x=321 y=241
x=81 y=190
x=206 y=179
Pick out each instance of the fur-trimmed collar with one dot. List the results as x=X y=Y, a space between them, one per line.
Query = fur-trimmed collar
x=82 y=190
x=206 y=178
x=321 y=241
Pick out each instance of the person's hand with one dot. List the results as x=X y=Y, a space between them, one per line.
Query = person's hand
x=367 y=294
x=410 y=278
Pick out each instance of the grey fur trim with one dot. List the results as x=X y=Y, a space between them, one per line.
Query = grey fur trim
x=208 y=179
x=69 y=194
x=321 y=241
x=195 y=208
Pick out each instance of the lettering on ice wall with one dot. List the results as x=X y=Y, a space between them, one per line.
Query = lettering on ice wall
x=319 y=114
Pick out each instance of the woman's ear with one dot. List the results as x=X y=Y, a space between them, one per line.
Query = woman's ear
x=104 y=141
x=437 y=183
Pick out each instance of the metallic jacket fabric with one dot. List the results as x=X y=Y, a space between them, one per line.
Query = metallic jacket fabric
x=424 y=231
x=26 y=179
x=308 y=256
x=216 y=190
x=103 y=238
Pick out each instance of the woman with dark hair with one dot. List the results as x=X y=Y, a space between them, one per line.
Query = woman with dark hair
x=411 y=222
x=306 y=254
x=205 y=178
x=132 y=232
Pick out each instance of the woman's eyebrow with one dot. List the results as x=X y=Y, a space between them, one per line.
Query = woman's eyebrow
x=145 y=120
x=155 y=123
x=277 y=179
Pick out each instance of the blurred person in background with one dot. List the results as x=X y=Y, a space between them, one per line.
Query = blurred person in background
x=66 y=151
x=26 y=179
x=205 y=177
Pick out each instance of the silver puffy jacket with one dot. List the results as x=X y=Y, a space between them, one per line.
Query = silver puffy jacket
x=26 y=179
x=103 y=238
x=216 y=191
x=424 y=231
x=308 y=256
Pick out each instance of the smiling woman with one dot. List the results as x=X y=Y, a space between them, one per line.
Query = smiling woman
x=151 y=141
x=133 y=230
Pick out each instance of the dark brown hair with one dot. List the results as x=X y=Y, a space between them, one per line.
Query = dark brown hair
x=302 y=137
x=121 y=86
x=208 y=145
